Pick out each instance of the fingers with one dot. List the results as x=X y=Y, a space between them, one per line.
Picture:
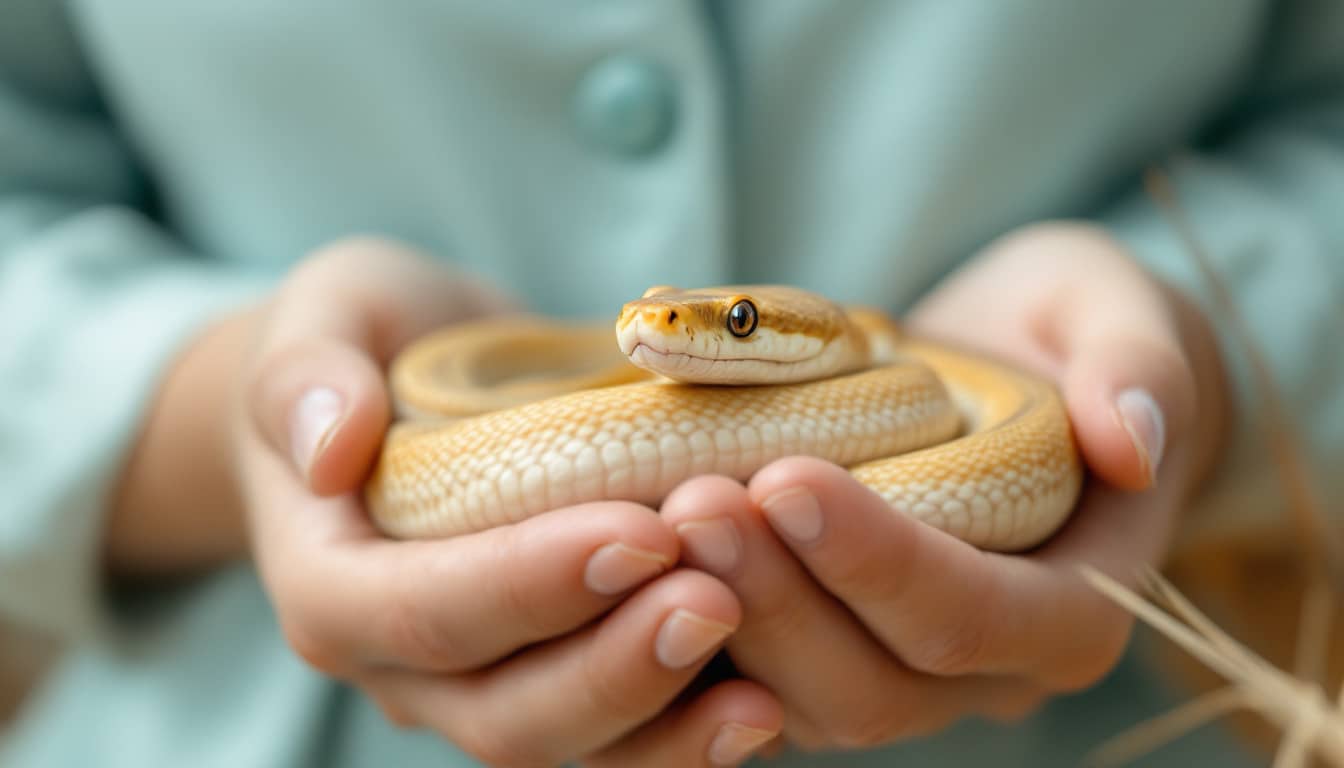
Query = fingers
x=317 y=394
x=1108 y=332
x=799 y=640
x=322 y=404
x=500 y=618
x=384 y=293
x=471 y=601
x=1127 y=384
x=446 y=605
x=942 y=606
x=721 y=727
x=785 y=613
x=576 y=695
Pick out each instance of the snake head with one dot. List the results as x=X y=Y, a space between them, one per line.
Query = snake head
x=739 y=335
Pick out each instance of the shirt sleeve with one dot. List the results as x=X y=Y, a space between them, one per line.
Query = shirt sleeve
x=1264 y=195
x=95 y=299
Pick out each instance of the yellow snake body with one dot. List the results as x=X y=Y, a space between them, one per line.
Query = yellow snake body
x=508 y=419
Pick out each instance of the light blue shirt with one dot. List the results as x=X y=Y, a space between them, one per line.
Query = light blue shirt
x=162 y=162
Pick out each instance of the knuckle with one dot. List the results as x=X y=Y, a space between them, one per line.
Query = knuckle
x=883 y=576
x=778 y=614
x=413 y=629
x=963 y=645
x=609 y=695
x=949 y=654
x=415 y=635
x=866 y=578
x=527 y=615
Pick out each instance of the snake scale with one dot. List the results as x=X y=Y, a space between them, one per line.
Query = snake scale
x=504 y=419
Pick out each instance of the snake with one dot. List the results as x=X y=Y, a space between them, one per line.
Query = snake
x=503 y=419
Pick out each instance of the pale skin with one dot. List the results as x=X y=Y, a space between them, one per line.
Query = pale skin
x=572 y=636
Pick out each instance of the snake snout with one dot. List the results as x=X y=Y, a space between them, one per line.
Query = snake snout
x=649 y=323
x=655 y=315
x=665 y=317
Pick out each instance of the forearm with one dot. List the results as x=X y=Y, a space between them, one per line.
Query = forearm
x=178 y=507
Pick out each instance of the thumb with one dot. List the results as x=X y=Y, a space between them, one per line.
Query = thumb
x=322 y=403
x=1129 y=391
x=318 y=396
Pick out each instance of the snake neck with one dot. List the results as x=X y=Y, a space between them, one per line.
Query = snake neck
x=881 y=336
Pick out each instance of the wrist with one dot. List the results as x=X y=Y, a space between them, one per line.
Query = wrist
x=178 y=506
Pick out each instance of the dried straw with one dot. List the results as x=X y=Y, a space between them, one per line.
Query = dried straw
x=1319 y=540
x=1312 y=723
x=1296 y=703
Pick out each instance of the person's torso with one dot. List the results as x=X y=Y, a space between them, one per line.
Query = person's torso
x=579 y=151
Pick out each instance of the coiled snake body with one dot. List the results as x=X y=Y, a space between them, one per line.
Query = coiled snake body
x=506 y=419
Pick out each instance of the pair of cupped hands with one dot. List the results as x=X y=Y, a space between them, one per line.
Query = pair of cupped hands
x=577 y=634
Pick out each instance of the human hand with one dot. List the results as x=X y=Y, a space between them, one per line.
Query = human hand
x=872 y=627
x=562 y=637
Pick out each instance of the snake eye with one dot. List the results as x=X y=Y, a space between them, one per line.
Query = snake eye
x=742 y=319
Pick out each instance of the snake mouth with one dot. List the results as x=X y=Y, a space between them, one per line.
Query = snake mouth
x=628 y=338
x=647 y=356
x=655 y=352
x=671 y=363
x=637 y=346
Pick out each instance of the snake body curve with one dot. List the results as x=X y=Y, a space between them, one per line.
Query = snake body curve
x=506 y=419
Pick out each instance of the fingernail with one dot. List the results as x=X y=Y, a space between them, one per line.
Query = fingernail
x=685 y=638
x=314 y=421
x=735 y=742
x=794 y=513
x=1142 y=419
x=713 y=543
x=616 y=567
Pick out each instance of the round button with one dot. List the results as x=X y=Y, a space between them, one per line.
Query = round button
x=626 y=104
